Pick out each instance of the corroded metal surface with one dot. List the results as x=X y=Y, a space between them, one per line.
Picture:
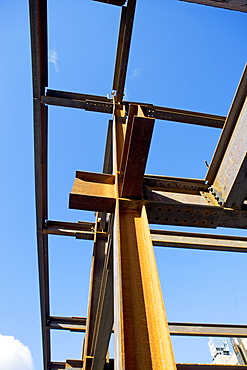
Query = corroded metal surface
x=126 y=200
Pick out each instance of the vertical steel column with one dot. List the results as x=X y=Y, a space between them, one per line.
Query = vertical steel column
x=142 y=339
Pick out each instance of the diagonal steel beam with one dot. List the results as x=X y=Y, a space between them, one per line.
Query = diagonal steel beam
x=228 y=170
x=229 y=127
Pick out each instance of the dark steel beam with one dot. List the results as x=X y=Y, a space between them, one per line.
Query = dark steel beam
x=112 y=2
x=100 y=303
x=178 y=115
x=176 y=239
x=122 y=57
x=104 y=105
x=57 y=365
x=104 y=316
x=77 y=324
x=80 y=230
x=38 y=25
x=160 y=238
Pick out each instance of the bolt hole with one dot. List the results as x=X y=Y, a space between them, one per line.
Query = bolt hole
x=168 y=209
x=159 y=209
x=166 y=219
x=185 y=221
x=157 y=218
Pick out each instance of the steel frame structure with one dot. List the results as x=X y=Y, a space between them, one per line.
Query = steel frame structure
x=124 y=283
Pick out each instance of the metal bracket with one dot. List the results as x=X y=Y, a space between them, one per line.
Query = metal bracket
x=98 y=106
x=216 y=196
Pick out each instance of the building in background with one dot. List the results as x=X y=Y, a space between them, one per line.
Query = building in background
x=221 y=354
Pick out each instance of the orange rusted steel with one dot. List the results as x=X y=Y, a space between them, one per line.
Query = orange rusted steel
x=142 y=339
x=141 y=329
x=93 y=192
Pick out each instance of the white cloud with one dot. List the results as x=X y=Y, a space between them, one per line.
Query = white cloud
x=53 y=58
x=14 y=355
x=135 y=73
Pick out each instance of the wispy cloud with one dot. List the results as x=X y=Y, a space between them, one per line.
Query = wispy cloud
x=14 y=355
x=135 y=73
x=53 y=58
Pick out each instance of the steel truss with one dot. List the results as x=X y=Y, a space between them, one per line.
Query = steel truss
x=124 y=283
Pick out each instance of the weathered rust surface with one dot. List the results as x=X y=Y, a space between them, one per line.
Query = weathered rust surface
x=141 y=329
x=230 y=183
x=138 y=145
x=93 y=192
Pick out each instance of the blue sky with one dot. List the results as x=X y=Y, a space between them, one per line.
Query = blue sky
x=183 y=56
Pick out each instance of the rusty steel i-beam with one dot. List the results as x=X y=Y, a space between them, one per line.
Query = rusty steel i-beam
x=124 y=294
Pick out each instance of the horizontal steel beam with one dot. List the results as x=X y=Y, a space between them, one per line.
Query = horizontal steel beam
x=180 y=185
x=112 y=2
x=77 y=324
x=169 y=208
x=160 y=238
x=183 y=329
x=176 y=239
x=208 y=330
x=178 y=115
x=104 y=105
x=80 y=230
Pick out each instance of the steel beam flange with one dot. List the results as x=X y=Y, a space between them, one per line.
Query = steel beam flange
x=183 y=215
x=174 y=185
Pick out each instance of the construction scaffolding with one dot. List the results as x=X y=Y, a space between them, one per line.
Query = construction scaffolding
x=125 y=290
